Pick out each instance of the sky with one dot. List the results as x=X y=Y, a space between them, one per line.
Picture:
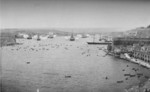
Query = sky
x=123 y=14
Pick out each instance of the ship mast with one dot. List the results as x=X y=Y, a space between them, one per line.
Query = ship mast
x=100 y=37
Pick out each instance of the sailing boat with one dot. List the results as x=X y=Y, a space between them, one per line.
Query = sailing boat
x=100 y=39
x=38 y=38
x=72 y=38
x=29 y=37
x=51 y=35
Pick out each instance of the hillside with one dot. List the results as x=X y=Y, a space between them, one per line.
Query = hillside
x=67 y=30
x=140 y=32
x=34 y=31
x=8 y=35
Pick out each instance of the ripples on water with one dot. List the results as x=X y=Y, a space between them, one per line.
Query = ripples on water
x=65 y=66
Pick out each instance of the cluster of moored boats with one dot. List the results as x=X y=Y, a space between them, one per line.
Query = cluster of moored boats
x=38 y=37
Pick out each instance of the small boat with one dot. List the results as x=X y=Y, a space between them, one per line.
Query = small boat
x=51 y=36
x=29 y=37
x=72 y=38
x=38 y=38
x=126 y=74
x=119 y=81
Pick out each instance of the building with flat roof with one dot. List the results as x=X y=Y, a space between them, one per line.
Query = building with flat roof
x=125 y=41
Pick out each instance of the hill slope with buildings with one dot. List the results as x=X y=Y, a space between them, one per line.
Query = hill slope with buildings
x=140 y=32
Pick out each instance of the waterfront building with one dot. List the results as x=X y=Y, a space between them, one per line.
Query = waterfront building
x=125 y=41
x=137 y=47
x=142 y=52
x=130 y=48
x=130 y=34
x=145 y=56
x=146 y=48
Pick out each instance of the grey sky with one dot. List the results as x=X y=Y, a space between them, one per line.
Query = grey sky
x=74 y=13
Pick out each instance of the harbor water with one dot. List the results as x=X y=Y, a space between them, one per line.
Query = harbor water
x=60 y=65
